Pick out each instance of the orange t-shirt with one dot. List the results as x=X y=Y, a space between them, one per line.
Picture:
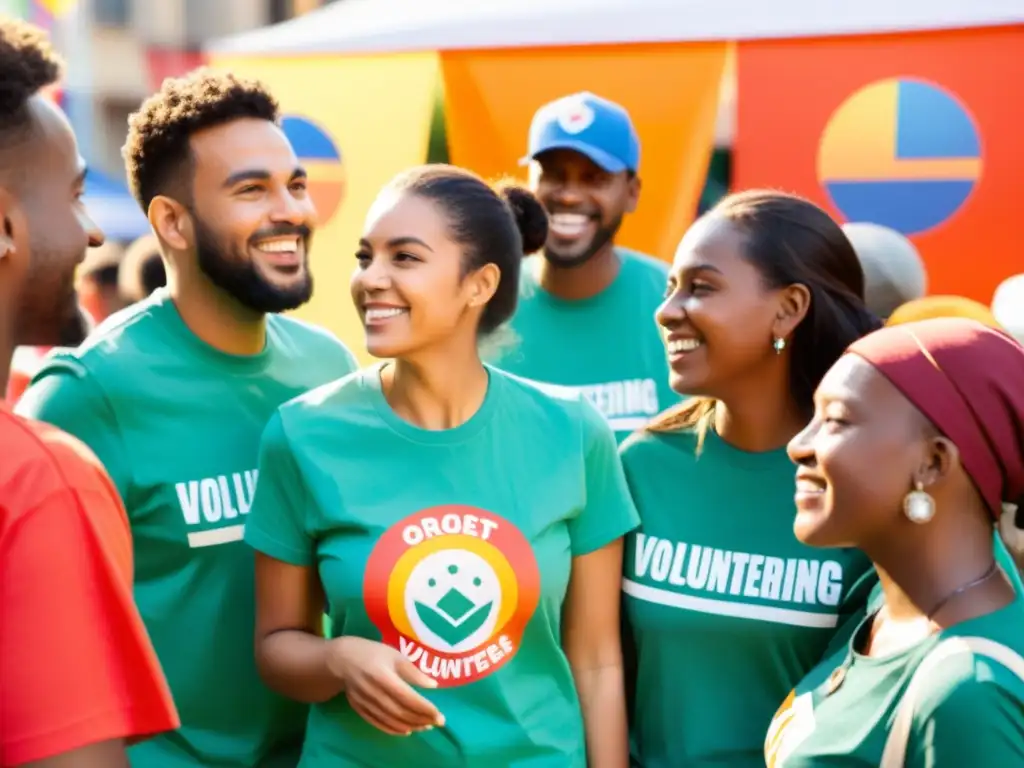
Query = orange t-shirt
x=76 y=664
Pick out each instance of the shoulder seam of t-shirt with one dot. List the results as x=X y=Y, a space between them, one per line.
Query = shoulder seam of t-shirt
x=638 y=437
x=645 y=436
x=91 y=378
x=94 y=343
x=597 y=542
x=22 y=424
x=66 y=488
x=258 y=539
x=317 y=396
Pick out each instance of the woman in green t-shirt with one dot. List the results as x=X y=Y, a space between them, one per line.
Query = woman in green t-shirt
x=916 y=450
x=726 y=609
x=463 y=526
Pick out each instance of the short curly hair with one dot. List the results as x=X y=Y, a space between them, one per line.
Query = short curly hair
x=157 y=151
x=28 y=64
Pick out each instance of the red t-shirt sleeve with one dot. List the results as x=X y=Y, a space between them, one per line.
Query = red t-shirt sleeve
x=76 y=663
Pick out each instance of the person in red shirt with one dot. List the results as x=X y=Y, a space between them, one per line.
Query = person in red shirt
x=25 y=362
x=78 y=676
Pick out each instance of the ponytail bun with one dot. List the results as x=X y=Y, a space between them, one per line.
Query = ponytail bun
x=531 y=218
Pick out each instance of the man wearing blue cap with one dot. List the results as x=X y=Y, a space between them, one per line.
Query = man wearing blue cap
x=586 y=307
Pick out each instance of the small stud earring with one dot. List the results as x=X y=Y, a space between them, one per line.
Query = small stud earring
x=778 y=345
x=918 y=505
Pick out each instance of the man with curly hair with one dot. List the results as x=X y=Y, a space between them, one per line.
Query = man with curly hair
x=173 y=393
x=78 y=675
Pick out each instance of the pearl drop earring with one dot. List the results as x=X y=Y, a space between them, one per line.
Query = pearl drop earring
x=918 y=505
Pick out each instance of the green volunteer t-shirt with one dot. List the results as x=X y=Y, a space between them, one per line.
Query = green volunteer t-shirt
x=177 y=424
x=969 y=715
x=453 y=546
x=1006 y=562
x=726 y=610
x=608 y=346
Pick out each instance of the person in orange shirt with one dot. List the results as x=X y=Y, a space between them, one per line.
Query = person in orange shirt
x=78 y=676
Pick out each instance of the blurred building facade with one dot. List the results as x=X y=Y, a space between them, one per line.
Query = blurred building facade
x=121 y=50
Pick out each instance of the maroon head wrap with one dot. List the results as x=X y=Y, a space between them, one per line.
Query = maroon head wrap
x=968 y=379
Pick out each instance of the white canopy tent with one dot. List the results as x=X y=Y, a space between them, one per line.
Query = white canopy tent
x=391 y=26
x=366 y=26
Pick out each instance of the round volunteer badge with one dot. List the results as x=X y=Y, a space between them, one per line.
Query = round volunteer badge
x=452 y=588
x=575 y=116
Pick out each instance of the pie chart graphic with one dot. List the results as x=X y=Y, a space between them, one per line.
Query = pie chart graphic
x=319 y=155
x=902 y=153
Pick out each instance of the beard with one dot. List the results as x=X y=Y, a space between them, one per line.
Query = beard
x=67 y=328
x=602 y=237
x=75 y=329
x=237 y=274
x=49 y=313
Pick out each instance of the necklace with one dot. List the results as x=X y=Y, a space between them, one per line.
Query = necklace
x=838 y=675
x=960 y=590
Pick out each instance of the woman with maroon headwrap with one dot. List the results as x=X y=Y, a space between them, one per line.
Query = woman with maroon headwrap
x=915 y=452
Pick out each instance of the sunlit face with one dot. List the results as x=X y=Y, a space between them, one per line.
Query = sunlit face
x=408 y=285
x=857 y=459
x=585 y=204
x=51 y=231
x=717 y=317
x=252 y=215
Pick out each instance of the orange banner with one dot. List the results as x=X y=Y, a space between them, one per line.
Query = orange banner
x=918 y=132
x=671 y=92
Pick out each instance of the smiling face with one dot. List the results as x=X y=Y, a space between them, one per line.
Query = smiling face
x=51 y=231
x=718 y=317
x=252 y=216
x=585 y=204
x=861 y=454
x=408 y=286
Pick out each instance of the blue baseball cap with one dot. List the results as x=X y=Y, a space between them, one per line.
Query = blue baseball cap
x=590 y=125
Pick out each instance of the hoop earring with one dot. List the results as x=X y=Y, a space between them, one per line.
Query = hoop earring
x=918 y=505
x=778 y=345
